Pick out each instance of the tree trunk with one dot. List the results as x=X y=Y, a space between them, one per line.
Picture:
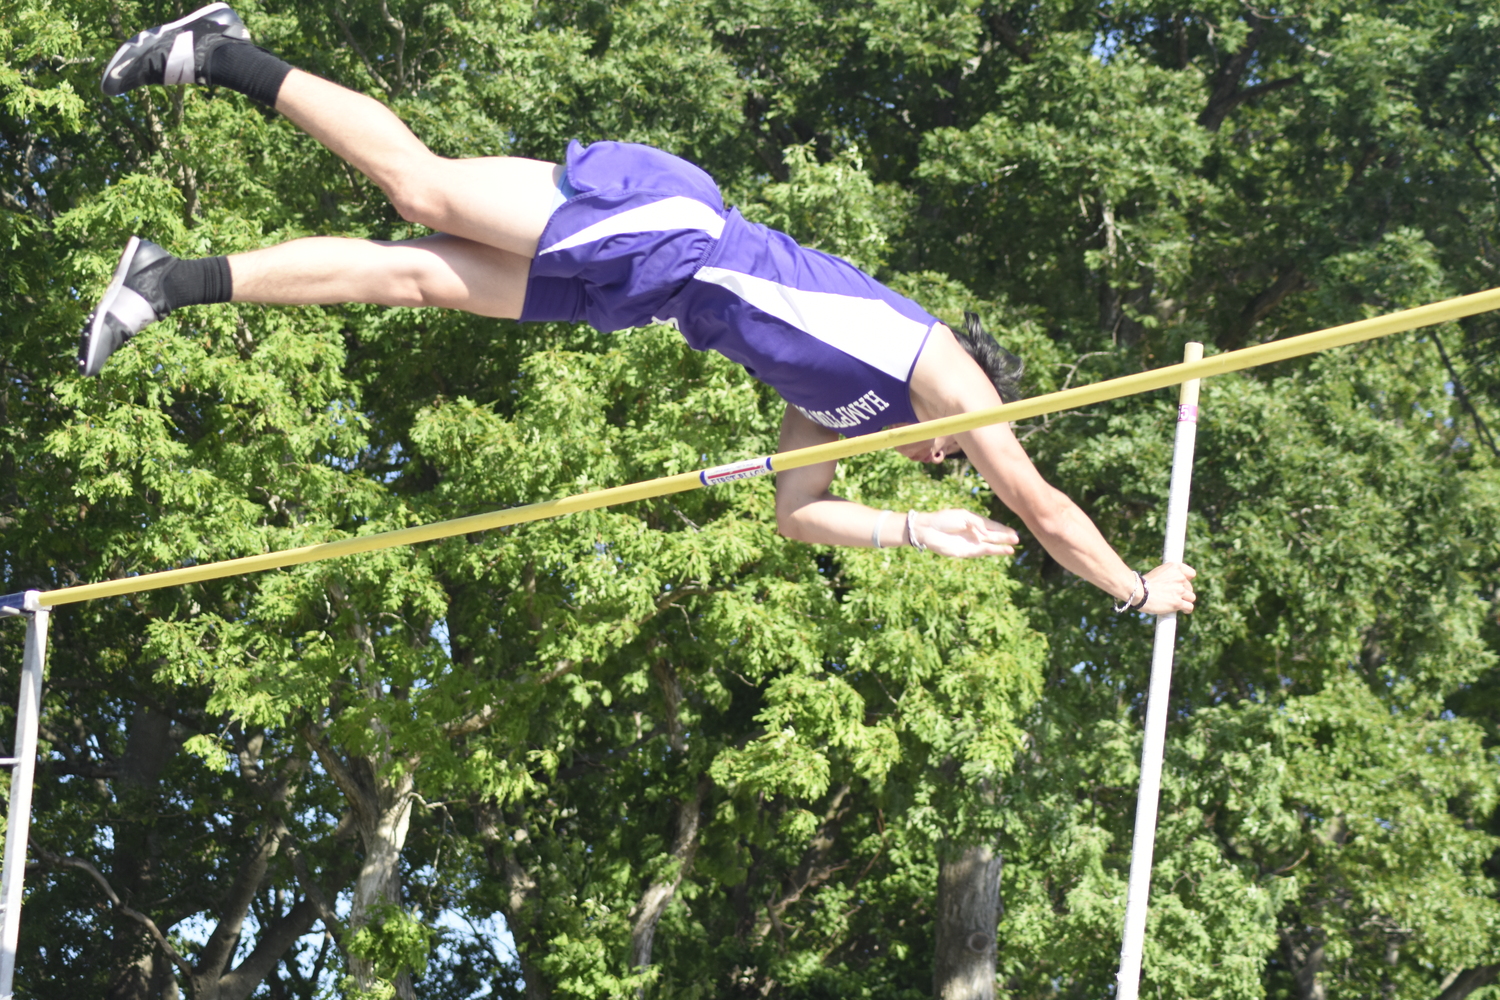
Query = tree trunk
x=658 y=894
x=381 y=807
x=654 y=900
x=379 y=800
x=379 y=878
x=212 y=979
x=520 y=894
x=968 y=915
x=1114 y=317
x=219 y=950
x=142 y=970
x=1469 y=980
x=1305 y=958
x=1116 y=303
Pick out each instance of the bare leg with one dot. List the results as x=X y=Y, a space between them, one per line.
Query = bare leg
x=502 y=201
x=442 y=271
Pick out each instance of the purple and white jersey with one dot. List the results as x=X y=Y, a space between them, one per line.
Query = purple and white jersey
x=646 y=237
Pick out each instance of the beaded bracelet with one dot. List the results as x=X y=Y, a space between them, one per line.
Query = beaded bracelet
x=911 y=531
x=1129 y=604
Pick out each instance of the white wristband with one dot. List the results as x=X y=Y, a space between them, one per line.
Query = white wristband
x=875 y=531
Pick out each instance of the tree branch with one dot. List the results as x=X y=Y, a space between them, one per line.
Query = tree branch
x=367 y=809
x=472 y=723
x=314 y=892
x=1009 y=37
x=1469 y=980
x=1218 y=109
x=224 y=940
x=1480 y=428
x=814 y=870
x=1484 y=161
x=476 y=721
x=1290 y=281
x=273 y=943
x=338 y=16
x=1225 y=94
x=59 y=861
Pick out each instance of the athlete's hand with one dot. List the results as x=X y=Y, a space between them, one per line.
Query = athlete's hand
x=962 y=534
x=1171 y=586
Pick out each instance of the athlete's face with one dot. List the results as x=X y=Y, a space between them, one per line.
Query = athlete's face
x=930 y=451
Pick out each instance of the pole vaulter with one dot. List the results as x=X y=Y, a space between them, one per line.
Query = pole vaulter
x=622 y=235
x=618 y=236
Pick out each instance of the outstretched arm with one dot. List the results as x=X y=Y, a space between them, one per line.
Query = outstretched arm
x=808 y=512
x=948 y=382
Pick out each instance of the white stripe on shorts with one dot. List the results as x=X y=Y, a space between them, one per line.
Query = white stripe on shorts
x=657 y=216
x=867 y=329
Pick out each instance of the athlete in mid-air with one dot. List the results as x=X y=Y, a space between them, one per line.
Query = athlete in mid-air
x=623 y=235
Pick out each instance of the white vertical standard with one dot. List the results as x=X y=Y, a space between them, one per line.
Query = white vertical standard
x=1128 y=982
x=18 y=818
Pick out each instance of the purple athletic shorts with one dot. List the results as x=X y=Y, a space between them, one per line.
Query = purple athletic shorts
x=599 y=260
x=644 y=237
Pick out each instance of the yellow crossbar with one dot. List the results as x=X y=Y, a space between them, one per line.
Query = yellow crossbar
x=1250 y=357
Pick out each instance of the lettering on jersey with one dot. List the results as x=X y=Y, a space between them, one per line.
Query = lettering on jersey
x=852 y=415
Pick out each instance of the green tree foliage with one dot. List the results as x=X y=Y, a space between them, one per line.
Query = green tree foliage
x=669 y=752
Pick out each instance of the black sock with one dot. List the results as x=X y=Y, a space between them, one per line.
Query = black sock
x=197 y=282
x=249 y=69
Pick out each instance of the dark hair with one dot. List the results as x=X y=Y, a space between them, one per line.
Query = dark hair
x=1003 y=368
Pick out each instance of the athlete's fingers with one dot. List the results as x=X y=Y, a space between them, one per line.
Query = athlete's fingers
x=987 y=549
x=963 y=534
x=997 y=531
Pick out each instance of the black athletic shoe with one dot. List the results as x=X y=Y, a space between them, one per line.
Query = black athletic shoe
x=132 y=302
x=173 y=53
